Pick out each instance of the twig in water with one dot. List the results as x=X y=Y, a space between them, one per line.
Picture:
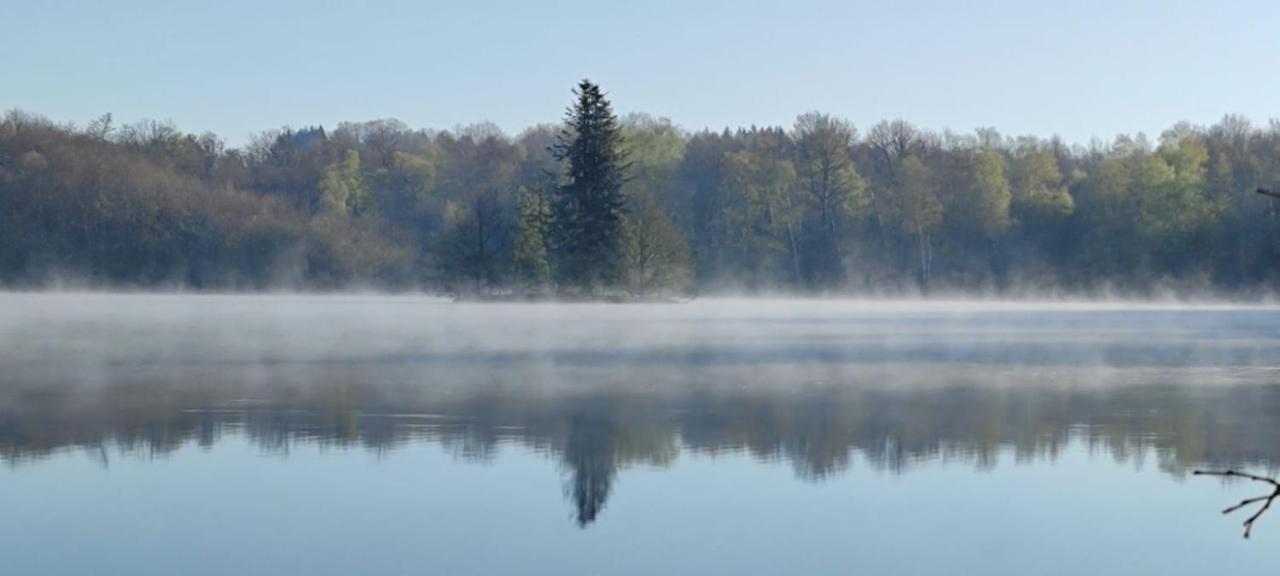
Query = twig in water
x=1268 y=499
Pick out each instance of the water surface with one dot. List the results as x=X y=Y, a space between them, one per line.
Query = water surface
x=161 y=434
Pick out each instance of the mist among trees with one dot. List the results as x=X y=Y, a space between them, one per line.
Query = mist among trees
x=637 y=207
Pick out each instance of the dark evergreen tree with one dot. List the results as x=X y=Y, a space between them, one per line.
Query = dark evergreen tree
x=589 y=204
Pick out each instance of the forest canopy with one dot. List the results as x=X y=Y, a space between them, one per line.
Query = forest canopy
x=818 y=207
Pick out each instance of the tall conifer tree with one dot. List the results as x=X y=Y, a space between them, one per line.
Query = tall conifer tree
x=589 y=205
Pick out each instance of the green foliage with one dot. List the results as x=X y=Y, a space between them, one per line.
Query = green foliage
x=102 y=212
x=654 y=150
x=762 y=217
x=473 y=247
x=1037 y=186
x=836 y=194
x=531 y=263
x=812 y=207
x=589 y=205
x=837 y=189
x=921 y=211
x=656 y=255
x=983 y=202
x=342 y=189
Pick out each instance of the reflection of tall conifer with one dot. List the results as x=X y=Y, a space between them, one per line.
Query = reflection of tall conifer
x=589 y=454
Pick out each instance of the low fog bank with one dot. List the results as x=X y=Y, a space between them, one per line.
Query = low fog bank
x=286 y=279
x=84 y=338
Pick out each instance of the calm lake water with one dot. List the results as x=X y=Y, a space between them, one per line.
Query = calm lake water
x=185 y=434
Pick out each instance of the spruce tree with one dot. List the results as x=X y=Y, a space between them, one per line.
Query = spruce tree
x=589 y=205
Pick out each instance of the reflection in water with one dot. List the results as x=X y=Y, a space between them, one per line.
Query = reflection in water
x=589 y=453
x=599 y=389
x=594 y=433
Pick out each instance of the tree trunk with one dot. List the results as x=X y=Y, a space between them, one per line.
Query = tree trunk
x=926 y=256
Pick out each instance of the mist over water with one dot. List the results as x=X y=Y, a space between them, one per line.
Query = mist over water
x=112 y=334
x=618 y=405
x=1086 y=367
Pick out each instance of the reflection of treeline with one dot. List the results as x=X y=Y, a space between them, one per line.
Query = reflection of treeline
x=816 y=430
x=593 y=435
x=814 y=206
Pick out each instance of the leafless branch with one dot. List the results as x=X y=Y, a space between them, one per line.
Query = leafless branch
x=1266 y=192
x=1267 y=500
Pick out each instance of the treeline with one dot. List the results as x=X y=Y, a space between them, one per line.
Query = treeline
x=817 y=207
x=149 y=206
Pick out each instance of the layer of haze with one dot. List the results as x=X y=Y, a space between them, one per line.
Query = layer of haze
x=1079 y=70
x=434 y=344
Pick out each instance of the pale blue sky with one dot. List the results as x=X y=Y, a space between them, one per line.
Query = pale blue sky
x=1077 y=69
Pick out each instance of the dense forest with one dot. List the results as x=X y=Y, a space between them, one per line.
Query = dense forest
x=637 y=206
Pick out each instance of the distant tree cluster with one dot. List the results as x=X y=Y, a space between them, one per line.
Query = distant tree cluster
x=639 y=207
x=146 y=205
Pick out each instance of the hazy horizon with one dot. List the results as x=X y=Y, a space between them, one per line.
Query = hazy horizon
x=1084 y=71
x=1101 y=144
